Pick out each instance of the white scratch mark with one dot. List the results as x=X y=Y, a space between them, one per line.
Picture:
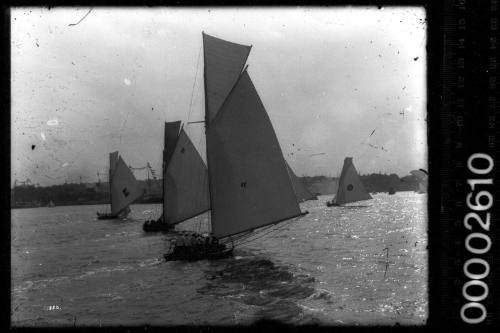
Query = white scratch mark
x=52 y=122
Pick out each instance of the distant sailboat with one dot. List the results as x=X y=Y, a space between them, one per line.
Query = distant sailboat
x=123 y=188
x=350 y=187
x=422 y=177
x=249 y=185
x=299 y=188
x=51 y=204
x=185 y=180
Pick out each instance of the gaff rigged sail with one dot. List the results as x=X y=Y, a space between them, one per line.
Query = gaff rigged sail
x=224 y=62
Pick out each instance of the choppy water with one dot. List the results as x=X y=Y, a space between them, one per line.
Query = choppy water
x=329 y=267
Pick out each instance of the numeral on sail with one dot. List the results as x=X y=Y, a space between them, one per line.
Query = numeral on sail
x=477 y=243
x=125 y=192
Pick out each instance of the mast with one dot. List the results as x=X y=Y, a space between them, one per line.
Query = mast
x=206 y=132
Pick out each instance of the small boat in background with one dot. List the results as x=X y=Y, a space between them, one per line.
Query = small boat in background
x=350 y=187
x=124 y=188
x=391 y=191
x=51 y=204
x=422 y=177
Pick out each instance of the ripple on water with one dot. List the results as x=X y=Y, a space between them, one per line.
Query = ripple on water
x=329 y=266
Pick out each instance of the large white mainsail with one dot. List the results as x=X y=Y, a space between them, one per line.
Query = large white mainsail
x=299 y=188
x=248 y=179
x=185 y=181
x=124 y=188
x=350 y=188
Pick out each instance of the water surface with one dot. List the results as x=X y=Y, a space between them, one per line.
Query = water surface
x=361 y=265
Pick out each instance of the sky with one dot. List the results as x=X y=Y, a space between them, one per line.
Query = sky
x=335 y=81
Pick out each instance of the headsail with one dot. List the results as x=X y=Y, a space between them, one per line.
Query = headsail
x=224 y=62
x=124 y=186
x=249 y=182
x=185 y=192
x=350 y=188
x=299 y=188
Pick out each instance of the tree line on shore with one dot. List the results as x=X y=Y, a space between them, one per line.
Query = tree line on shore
x=98 y=193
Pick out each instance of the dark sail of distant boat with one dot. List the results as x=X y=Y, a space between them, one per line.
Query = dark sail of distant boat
x=299 y=188
x=123 y=188
x=350 y=187
x=249 y=184
x=422 y=177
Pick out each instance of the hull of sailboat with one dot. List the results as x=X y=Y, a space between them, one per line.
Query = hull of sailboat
x=110 y=216
x=155 y=226
x=104 y=216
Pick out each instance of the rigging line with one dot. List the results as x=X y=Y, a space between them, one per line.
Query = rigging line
x=194 y=83
x=250 y=233
x=260 y=235
x=246 y=234
x=73 y=24
x=248 y=238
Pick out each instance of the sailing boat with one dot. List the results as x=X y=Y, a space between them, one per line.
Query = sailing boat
x=350 y=187
x=299 y=188
x=248 y=183
x=185 y=180
x=123 y=188
x=422 y=177
x=51 y=204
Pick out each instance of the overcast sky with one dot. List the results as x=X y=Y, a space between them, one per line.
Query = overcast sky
x=328 y=77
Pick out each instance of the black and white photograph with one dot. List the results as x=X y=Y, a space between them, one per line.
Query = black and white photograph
x=179 y=166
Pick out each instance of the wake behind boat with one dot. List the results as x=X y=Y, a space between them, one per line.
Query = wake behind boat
x=249 y=185
x=350 y=187
x=123 y=188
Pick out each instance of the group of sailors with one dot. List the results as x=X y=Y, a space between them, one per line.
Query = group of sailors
x=188 y=242
x=152 y=222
